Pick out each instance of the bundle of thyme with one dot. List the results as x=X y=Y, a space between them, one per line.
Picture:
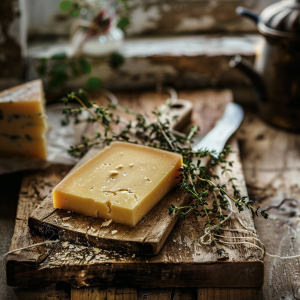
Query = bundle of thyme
x=196 y=179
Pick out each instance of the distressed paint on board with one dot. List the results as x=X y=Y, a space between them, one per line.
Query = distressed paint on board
x=155 y=16
x=185 y=62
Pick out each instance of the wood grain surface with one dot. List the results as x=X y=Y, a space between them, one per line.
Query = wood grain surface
x=271 y=160
x=205 y=103
x=96 y=293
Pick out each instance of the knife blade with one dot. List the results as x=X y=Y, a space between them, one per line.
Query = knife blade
x=226 y=126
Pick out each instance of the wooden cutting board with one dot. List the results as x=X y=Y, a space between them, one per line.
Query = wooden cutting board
x=147 y=237
x=182 y=262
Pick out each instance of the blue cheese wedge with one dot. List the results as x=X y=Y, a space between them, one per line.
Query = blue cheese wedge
x=23 y=121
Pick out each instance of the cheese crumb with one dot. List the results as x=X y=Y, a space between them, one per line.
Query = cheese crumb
x=106 y=223
x=97 y=250
x=114 y=232
x=65 y=244
x=66 y=218
x=114 y=172
x=119 y=167
x=131 y=165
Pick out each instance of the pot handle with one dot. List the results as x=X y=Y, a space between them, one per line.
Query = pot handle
x=250 y=14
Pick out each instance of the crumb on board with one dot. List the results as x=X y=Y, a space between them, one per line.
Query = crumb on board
x=65 y=244
x=106 y=223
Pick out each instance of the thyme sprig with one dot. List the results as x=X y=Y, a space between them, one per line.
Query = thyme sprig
x=195 y=178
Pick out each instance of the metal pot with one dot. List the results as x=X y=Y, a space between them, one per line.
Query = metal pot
x=276 y=71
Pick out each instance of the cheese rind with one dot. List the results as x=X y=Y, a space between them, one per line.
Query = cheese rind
x=23 y=121
x=125 y=196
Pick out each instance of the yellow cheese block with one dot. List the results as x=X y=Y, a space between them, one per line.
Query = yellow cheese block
x=123 y=182
x=22 y=121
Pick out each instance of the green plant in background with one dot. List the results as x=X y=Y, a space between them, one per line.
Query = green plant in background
x=74 y=8
x=60 y=68
x=70 y=6
x=63 y=69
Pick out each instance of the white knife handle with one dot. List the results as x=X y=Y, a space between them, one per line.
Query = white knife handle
x=218 y=136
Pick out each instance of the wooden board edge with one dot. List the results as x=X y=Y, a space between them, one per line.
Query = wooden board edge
x=216 y=275
x=143 y=247
x=63 y=234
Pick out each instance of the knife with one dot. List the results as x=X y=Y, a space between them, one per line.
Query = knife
x=219 y=135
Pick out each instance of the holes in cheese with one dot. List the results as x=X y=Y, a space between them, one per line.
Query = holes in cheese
x=23 y=121
x=101 y=188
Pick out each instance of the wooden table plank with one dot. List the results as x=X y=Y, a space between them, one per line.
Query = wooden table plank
x=228 y=294
x=271 y=160
x=9 y=191
x=34 y=189
x=95 y=293
x=113 y=293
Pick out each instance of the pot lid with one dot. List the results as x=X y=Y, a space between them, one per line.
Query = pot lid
x=281 y=19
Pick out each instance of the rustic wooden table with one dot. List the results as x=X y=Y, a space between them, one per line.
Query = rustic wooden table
x=271 y=162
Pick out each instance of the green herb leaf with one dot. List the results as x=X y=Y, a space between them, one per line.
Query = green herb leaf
x=85 y=66
x=59 y=55
x=65 y=5
x=74 y=69
x=116 y=60
x=74 y=13
x=58 y=69
x=58 y=80
x=94 y=83
x=123 y=23
x=42 y=68
x=84 y=97
x=125 y=4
